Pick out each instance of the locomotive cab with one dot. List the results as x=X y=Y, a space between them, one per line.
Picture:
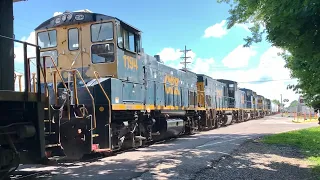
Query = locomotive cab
x=232 y=87
x=248 y=97
x=91 y=42
x=81 y=48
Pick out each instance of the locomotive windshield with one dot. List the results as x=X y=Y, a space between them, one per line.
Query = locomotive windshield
x=101 y=32
x=47 y=39
x=102 y=53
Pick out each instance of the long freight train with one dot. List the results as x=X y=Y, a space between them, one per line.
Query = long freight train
x=105 y=94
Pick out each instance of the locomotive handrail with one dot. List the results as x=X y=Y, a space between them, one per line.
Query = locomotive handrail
x=57 y=70
x=92 y=99
x=34 y=79
x=14 y=78
x=43 y=70
x=97 y=76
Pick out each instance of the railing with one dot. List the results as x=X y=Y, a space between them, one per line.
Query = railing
x=26 y=65
x=44 y=74
x=34 y=79
x=74 y=72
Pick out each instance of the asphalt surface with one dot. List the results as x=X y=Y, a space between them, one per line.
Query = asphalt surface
x=183 y=158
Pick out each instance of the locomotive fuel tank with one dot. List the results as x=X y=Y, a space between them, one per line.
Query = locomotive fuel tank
x=169 y=128
x=173 y=113
x=229 y=119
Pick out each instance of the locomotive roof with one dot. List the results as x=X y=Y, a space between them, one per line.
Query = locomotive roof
x=83 y=17
x=227 y=81
x=245 y=89
x=260 y=96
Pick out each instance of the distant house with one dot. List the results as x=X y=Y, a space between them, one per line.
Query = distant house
x=302 y=108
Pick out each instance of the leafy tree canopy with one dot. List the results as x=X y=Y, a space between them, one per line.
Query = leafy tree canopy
x=277 y=102
x=293 y=26
x=293 y=103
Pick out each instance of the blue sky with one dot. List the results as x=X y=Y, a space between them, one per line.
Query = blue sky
x=170 y=25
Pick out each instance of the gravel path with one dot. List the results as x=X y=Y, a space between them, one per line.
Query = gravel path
x=255 y=160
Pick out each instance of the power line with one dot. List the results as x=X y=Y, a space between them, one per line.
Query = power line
x=185 y=57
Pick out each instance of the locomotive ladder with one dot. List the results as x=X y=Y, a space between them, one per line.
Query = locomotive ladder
x=51 y=113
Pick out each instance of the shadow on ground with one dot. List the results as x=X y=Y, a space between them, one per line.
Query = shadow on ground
x=201 y=156
x=255 y=160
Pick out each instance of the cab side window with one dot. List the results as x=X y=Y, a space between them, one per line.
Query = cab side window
x=73 y=39
x=128 y=40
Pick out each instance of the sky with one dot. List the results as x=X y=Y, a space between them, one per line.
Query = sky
x=169 y=26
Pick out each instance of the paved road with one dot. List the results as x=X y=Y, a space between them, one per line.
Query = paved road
x=183 y=158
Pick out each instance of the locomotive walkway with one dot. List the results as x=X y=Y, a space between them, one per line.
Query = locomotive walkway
x=190 y=157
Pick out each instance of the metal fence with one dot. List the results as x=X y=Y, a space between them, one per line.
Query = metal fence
x=301 y=112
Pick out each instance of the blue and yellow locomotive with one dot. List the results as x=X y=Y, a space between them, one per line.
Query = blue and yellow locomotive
x=105 y=94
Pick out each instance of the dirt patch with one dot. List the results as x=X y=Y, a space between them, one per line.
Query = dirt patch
x=256 y=160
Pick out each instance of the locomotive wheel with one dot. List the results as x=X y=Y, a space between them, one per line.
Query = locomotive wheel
x=218 y=123
x=129 y=142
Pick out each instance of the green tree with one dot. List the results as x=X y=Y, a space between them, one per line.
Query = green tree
x=293 y=103
x=277 y=102
x=293 y=26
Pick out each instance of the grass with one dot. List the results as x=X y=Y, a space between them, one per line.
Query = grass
x=308 y=140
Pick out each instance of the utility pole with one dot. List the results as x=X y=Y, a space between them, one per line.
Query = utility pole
x=185 y=57
x=281 y=106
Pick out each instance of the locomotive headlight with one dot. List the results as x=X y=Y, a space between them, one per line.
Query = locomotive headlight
x=64 y=17
x=58 y=20
x=69 y=16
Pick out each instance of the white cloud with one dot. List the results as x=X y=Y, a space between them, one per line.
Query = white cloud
x=217 y=30
x=171 y=54
x=202 y=66
x=239 y=57
x=271 y=67
x=171 y=57
x=56 y=14
x=83 y=10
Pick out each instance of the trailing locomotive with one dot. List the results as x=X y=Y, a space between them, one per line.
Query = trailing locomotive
x=105 y=94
